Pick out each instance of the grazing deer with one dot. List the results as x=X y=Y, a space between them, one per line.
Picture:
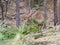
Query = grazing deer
x=36 y=15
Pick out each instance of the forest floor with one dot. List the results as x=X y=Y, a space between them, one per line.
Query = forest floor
x=49 y=37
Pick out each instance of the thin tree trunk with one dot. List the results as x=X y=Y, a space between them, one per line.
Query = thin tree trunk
x=17 y=13
x=6 y=4
x=2 y=9
x=58 y=11
x=55 y=12
x=29 y=2
x=32 y=3
x=45 y=11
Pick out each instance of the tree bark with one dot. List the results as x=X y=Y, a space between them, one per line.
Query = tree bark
x=55 y=12
x=58 y=10
x=17 y=13
x=45 y=11
x=29 y=5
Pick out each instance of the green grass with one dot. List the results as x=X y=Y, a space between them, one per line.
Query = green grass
x=15 y=33
x=8 y=34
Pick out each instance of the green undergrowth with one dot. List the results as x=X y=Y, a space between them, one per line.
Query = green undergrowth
x=7 y=33
x=14 y=33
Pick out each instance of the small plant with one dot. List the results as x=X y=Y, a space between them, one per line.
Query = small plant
x=26 y=29
x=8 y=34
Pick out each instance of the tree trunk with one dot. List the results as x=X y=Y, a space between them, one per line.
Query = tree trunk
x=55 y=12
x=29 y=4
x=17 y=13
x=58 y=10
x=45 y=11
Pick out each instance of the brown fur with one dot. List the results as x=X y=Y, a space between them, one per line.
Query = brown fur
x=36 y=15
